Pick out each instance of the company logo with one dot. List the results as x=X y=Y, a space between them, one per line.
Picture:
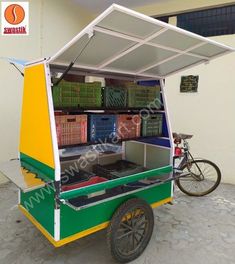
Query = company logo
x=15 y=18
x=14 y=14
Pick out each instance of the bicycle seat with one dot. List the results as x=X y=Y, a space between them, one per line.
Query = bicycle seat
x=182 y=136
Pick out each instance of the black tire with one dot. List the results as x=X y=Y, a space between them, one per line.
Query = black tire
x=188 y=168
x=133 y=219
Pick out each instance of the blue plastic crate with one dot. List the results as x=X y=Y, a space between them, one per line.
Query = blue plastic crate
x=102 y=128
x=149 y=83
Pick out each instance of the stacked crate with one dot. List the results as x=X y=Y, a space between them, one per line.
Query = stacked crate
x=115 y=97
x=90 y=94
x=70 y=94
x=128 y=126
x=66 y=94
x=71 y=129
x=152 y=125
x=143 y=96
x=102 y=128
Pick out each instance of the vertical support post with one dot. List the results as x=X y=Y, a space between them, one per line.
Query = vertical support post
x=57 y=182
x=162 y=85
x=145 y=153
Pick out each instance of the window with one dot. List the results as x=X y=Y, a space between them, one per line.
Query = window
x=163 y=19
x=211 y=22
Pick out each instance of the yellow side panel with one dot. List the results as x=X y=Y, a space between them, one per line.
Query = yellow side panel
x=35 y=134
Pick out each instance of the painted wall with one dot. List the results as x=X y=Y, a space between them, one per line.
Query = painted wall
x=52 y=24
x=208 y=114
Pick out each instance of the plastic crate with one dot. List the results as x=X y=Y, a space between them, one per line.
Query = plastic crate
x=90 y=94
x=71 y=94
x=82 y=183
x=142 y=96
x=115 y=97
x=118 y=169
x=68 y=178
x=71 y=129
x=102 y=128
x=128 y=126
x=66 y=94
x=152 y=125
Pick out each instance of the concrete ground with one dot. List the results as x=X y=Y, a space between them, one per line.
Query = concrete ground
x=193 y=230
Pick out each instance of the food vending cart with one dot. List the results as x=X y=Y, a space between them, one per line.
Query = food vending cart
x=100 y=155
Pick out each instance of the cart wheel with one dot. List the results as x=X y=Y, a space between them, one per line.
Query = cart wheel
x=130 y=230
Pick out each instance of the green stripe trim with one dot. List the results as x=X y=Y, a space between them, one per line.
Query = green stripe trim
x=114 y=183
x=42 y=170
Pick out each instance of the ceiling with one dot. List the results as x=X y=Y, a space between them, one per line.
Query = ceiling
x=100 y=5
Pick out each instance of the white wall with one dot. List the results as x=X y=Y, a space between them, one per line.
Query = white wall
x=52 y=24
x=11 y=83
x=62 y=20
x=208 y=114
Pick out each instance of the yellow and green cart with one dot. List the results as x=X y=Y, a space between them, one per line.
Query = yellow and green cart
x=119 y=44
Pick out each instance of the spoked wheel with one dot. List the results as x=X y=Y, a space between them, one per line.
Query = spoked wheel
x=130 y=230
x=204 y=177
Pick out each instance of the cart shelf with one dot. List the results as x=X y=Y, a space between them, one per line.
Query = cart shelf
x=24 y=175
x=108 y=110
x=110 y=141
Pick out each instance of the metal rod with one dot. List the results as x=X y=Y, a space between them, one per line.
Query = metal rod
x=17 y=69
x=72 y=63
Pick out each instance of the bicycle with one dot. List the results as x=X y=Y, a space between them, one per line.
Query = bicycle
x=194 y=177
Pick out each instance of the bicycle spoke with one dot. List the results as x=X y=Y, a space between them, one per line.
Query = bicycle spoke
x=125 y=226
x=202 y=178
x=124 y=235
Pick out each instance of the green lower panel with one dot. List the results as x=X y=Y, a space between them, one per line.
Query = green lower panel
x=42 y=170
x=73 y=221
x=40 y=204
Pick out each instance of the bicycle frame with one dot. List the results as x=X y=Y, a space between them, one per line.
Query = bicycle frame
x=187 y=159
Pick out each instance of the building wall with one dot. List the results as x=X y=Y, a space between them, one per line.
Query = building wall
x=208 y=114
x=166 y=7
x=52 y=24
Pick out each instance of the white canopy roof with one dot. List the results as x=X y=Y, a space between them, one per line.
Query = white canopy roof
x=123 y=42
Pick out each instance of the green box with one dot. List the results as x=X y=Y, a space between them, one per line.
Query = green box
x=143 y=96
x=152 y=125
x=115 y=97
x=71 y=94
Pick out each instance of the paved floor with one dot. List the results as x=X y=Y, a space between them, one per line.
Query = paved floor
x=193 y=230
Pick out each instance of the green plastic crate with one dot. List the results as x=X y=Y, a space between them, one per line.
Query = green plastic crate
x=90 y=94
x=152 y=125
x=71 y=94
x=66 y=94
x=115 y=97
x=143 y=96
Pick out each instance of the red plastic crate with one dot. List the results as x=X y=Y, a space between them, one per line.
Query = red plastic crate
x=91 y=181
x=71 y=129
x=128 y=126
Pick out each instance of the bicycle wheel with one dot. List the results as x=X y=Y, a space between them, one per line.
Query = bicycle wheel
x=204 y=177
